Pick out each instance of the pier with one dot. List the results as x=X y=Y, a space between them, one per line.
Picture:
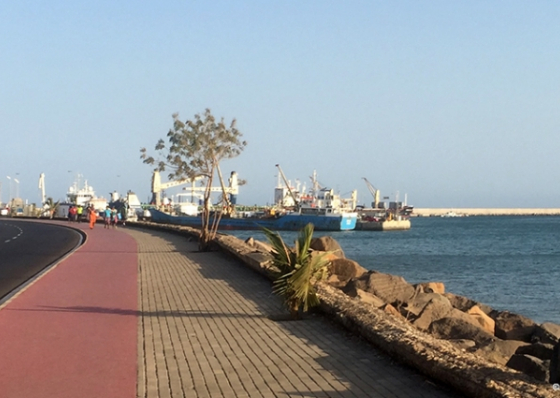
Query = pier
x=438 y=212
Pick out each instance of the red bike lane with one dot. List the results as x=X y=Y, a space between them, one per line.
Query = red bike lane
x=73 y=332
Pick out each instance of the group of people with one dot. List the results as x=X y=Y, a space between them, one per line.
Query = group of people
x=75 y=213
x=111 y=216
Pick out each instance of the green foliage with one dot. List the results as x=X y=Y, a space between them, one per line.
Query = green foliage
x=194 y=149
x=298 y=270
x=51 y=206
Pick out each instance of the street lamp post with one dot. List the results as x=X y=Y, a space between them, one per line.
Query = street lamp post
x=17 y=187
x=10 y=183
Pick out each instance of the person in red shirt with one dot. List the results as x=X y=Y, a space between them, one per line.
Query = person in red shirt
x=72 y=213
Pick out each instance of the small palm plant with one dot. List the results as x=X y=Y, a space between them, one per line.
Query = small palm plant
x=298 y=270
x=51 y=206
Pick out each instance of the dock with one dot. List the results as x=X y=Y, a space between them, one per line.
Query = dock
x=438 y=212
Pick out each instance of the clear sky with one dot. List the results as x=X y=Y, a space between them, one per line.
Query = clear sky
x=455 y=104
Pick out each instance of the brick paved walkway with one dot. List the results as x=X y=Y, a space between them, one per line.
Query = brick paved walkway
x=204 y=331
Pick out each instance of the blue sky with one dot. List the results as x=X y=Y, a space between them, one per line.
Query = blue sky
x=454 y=104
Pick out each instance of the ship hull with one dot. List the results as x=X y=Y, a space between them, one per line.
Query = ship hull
x=287 y=222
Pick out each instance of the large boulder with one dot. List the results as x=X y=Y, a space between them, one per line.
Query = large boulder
x=431 y=287
x=463 y=344
x=547 y=333
x=389 y=309
x=435 y=309
x=458 y=325
x=538 y=350
x=464 y=303
x=258 y=245
x=346 y=269
x=368 y=298
x=354 y=284
x=500 y=351
x=510 y=326
x=529 y=365
x=327 y=244
x=554 y=369
x=390 y=288
x=335 y=281
x=418 y=302
x=483 y=320
x=460 y=302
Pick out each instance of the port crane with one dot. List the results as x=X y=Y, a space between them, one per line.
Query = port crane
x=375 y=193
x=158 y=186
x=296 y=201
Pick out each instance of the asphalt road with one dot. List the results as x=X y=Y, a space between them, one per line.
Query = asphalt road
x=26 y=248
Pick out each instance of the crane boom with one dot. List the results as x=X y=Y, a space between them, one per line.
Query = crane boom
x=374 y=192
x=287 y=185
x=158 y=186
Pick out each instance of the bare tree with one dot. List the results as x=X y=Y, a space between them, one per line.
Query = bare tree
x=195 y=148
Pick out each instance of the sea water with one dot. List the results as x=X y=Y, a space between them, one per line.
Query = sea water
x=507 y=262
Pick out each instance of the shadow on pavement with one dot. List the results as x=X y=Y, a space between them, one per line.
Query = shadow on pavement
x=343 y=354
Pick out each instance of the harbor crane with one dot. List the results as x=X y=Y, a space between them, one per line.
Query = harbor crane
x=296 y=202
x=158 y=186
x=375 y=193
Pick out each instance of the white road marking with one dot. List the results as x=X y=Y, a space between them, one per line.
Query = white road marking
x=14 y=237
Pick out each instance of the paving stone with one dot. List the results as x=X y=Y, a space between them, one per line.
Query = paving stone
x=205 y=332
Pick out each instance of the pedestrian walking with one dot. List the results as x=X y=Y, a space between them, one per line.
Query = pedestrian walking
x=122 y=214
x=92 y=216
x=114 y=217
x=79 y=212
x=72 y=213
x=107 y=217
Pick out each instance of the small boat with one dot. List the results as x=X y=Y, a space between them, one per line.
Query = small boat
x=451 y=214
x=383 y=225
x=395 y=218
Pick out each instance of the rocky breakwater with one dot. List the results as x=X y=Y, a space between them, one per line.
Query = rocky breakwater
x=477 y=350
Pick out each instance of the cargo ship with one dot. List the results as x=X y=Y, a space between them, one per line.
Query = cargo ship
x=293 y=209
x=293 y=221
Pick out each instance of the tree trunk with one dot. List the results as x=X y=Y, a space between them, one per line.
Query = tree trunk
x=204 y=241
x=294 y=310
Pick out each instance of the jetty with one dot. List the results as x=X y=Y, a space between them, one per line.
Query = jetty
x=438 y=212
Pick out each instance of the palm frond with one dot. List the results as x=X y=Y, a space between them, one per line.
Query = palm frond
x=282 y=255
x=298 y=269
